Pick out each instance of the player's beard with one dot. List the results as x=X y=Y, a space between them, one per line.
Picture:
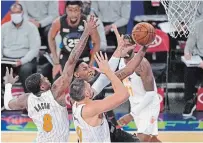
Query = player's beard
x=129 y=54
x=74 y=22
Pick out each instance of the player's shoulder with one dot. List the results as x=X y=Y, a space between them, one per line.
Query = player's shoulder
x=6 y=25
x=30 y=26
x=57 y=20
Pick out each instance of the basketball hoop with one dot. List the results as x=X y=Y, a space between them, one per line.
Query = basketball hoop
x=181 y=16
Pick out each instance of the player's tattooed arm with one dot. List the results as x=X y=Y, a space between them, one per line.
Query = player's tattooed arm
x=96 y=45
x=132 y=64
x=63 y=82
x=11 y=103
x=19 y=102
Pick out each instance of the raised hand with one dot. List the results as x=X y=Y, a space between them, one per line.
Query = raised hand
x=119 y=37
x=121 y=50
x=102 y=62
x=91 y=24
x=9 y=76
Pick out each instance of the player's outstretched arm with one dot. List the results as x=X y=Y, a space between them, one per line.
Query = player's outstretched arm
x=132 y=64
x=63 y=82
x=11 y=103
x=121 y=94
x=120 y=51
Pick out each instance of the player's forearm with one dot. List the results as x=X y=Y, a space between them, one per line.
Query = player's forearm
x=135 y=62
x=94 y=50
x=102 y=80
x=132 y=64
x=117 y=85
x=7 y=96
x=117 y=53
x=52 y=47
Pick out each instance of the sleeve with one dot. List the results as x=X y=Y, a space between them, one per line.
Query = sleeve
x=7 y=95
x=102 y=80
x=52 y=14
x=34 y=44
x=125 y=14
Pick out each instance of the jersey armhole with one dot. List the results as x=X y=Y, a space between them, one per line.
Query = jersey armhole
x=81 y=111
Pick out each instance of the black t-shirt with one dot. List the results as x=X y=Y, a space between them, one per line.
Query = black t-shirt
x=71 y=36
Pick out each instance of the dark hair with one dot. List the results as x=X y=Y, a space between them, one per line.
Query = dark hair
x=32 y=83
x=77 y=89
x=74 y=2
x=17 y=4
x=129 y=37
x=78 y=64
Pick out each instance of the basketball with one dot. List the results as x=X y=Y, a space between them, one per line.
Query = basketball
x=143 y=33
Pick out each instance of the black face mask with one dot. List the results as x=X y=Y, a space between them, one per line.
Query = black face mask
x=86 y=8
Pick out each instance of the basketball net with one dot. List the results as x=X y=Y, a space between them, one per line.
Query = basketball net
x=181 y=16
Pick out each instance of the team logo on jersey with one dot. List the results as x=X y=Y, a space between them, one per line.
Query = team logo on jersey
x=65 y=30
x=80 y=28
x=70 y=40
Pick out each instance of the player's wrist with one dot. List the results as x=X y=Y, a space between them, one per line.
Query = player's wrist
x=8 y=85
x=117 y=53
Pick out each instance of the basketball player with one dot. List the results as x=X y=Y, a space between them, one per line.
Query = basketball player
x=88 y=115
x=88 y=74
x=71 y=27
x=46 y=104
x=144 y=100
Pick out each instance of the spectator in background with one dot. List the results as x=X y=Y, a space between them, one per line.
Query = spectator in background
x=71 y=27
x=111 y=12
x=20 y=40
x=153 y=7
x=194 y=46
x=86 y=8
x=41 y=14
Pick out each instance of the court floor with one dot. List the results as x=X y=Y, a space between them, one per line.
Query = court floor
x=164 y=136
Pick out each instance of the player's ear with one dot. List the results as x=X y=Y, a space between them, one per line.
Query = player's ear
x=42 y=87
x=87 y=94
x=76 y=74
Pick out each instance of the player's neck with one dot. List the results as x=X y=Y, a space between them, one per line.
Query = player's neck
x=84 y=101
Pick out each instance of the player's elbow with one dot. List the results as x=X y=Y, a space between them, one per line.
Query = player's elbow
x=6 y=105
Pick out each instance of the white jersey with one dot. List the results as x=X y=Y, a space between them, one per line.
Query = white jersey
x=50 y=118
x=135 y=86
x=87 y=133
x=137 y=92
